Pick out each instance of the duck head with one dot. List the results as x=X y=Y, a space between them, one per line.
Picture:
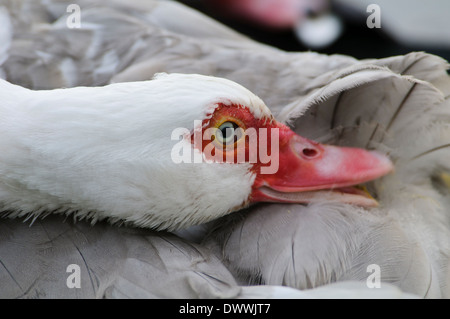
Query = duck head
x=168 y=153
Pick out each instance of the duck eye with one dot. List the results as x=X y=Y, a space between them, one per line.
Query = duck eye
x=228 y=133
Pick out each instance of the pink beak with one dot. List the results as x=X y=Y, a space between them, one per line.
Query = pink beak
x=312 y=172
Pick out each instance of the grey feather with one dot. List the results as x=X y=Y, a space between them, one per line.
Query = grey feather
x=113 y=261
x=407 y=236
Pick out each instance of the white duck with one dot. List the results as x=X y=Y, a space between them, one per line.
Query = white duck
x=304 y=80
x=105 y=152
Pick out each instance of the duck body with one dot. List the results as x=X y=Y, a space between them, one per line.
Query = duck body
x=407 y=236
x=114 y=262
x=397 y=105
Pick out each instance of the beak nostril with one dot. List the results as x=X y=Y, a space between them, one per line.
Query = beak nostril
x=305 y=148
x=309 y=152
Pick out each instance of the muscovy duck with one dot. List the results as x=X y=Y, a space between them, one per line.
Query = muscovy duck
x=155 y=42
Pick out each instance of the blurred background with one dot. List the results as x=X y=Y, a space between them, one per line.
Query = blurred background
x=339 y=26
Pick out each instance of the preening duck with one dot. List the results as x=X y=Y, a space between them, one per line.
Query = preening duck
x=397 y=106
x=407 y=237
x=107 y=153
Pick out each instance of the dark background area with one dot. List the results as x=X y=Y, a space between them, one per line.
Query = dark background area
x=356 y=40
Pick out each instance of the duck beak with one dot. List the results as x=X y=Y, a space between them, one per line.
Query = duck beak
x=312 y=172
